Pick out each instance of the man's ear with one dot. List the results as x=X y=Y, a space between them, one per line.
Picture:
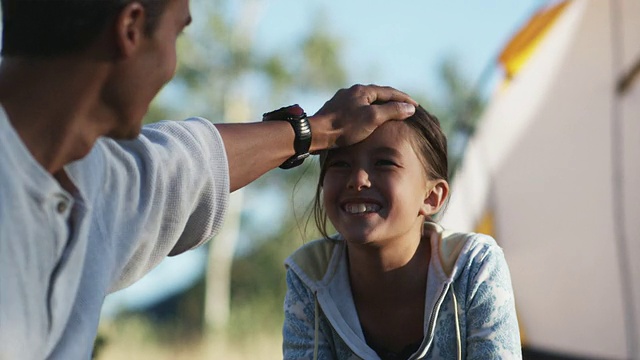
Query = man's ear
x=129 y=28
x=436 y=195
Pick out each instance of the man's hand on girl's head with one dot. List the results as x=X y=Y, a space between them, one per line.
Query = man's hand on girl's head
x=353 y=114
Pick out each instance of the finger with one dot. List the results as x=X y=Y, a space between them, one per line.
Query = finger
x=393 y=110
x=387 y=93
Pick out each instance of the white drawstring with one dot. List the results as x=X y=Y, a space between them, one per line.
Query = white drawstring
x=455 y=311
x=316 y=328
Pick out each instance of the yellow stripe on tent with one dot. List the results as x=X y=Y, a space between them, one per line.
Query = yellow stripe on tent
x=486 y=224
x=525 y=42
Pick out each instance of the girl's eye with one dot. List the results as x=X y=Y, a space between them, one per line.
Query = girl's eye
x=385 y=162
x=338 y=164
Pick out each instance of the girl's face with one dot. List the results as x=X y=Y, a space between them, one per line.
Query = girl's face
x=377 y=190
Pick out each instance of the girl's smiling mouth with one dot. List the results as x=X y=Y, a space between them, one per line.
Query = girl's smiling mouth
x=361 y=207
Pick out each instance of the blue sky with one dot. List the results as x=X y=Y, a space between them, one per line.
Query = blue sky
x=400 y=43
x=397 y=43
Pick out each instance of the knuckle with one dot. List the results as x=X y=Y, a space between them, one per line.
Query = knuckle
x=358 y=88
x=397 y=110
x=371 y=115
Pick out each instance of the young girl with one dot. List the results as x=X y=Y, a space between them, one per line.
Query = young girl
x=392 y=284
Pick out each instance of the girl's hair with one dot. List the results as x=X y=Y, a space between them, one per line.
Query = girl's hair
x=430 y=145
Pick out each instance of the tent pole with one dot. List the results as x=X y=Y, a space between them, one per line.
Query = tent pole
x=625 y=82
x=618 y=191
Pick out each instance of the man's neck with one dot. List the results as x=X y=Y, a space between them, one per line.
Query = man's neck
x=54 y=106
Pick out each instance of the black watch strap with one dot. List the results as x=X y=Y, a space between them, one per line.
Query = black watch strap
x=295 y=116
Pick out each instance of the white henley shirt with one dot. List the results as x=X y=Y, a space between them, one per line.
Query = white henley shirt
x=136 y=202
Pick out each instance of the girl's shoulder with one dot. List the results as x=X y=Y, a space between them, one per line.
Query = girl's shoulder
x=455 y=249
x=313 y=259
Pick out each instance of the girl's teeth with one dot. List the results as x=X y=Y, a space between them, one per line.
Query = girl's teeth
x=361 y=208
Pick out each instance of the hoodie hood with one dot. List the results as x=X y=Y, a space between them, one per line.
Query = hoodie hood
x=316 y=262
x=322 y=266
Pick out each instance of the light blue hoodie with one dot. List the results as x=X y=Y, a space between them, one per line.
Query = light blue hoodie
x=469 y=303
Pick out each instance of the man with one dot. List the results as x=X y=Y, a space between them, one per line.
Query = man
x=88 y=202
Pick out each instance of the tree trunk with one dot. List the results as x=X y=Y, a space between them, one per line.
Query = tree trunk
x=218 y=282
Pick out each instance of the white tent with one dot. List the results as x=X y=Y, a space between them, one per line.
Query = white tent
x=554 y=168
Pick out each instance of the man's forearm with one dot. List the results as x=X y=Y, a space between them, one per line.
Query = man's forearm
x=255 y=148
x=347 y=118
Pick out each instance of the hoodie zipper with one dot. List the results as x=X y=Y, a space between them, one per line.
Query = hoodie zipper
x=432 y=319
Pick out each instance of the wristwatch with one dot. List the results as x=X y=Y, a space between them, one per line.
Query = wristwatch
x=295 y=116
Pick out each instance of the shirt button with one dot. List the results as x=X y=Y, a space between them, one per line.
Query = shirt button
x=62 y=206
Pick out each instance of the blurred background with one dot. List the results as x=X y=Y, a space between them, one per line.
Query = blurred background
x=539 y=102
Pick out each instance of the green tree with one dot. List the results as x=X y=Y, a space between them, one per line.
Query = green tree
x=458 y=108
x=217 y=74
x=218 y=68
x=258 y=276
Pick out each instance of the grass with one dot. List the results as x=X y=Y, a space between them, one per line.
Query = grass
x=135 y=338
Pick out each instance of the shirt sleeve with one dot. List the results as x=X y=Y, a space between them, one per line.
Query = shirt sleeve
x=163 y=193
x=492 y=326
x=299 y=323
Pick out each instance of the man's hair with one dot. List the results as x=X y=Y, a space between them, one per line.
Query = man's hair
x=46 y=28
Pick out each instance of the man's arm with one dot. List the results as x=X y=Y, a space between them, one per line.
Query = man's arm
x=349 y=117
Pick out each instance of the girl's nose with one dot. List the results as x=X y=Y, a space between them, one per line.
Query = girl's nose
x=359 y=179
